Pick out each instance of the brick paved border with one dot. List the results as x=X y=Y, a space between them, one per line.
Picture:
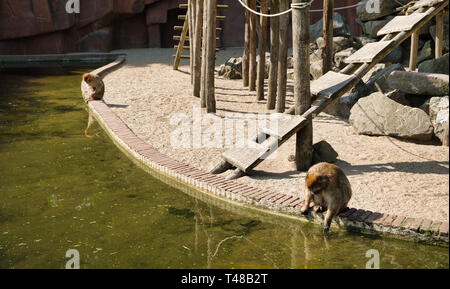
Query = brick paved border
x=421 y=230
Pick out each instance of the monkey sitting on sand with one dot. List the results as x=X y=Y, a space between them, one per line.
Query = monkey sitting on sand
x=97 y=85
x=328 y=187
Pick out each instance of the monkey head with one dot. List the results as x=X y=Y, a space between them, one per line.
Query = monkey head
x=317 y=183
x=88 y=78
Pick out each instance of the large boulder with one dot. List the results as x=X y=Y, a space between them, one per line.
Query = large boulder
x=435 y=105
x=426 y=52
x=394 y=56
x=438 y=65
x=381 y=78
x=377 y=114
x=342 y=106
x=340 y=27
x=419 y=83
x=324 y=152
x=339 y=43
x=232 y=69
x=441 y=126
x=368 y=11
x=340 y=56
x=446 y=37
x=372 y=27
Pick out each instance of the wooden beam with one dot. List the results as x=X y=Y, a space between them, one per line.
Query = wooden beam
x=327 y=52
x=282 y=58
x=245 y=56
x=180 y=47
x=274 y=51
x=203 y=87
x=198 y=48
x=438 y=39
x=252 y=51
x=211 y=11
x=302 y=92
x=414 y=50
x=191 y=13
x=262 y=45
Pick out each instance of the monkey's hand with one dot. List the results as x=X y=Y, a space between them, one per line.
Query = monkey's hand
x=326 y=229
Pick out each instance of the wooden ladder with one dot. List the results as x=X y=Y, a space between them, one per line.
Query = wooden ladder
x=333 y=85
x=186 y=35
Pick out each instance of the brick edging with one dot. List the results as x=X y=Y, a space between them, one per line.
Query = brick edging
x=416 y=229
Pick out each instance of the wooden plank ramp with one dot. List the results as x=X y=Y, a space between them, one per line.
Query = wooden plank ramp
x=328 y=88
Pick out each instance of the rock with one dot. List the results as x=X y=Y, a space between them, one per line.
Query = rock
x=381 y=78
x=446 y=37
x=399 y=97
x=419 y=83
x=340 y=56
x=438 y=65
x=368 y=11
x=441 y=126
x=232 y=69
x=376 y=114
x=340 y=27
x=324 y=152
x=395 y=56
x=315 y=69
x=426 y=52
x=372 y=27
x=339 y=43
x=373 y=71
x=363 y=40
x=436 y=104
x=344 y=104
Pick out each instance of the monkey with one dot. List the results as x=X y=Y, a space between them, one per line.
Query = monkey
x=97 y=85
x=328 y=188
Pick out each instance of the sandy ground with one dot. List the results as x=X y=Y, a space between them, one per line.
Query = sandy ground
x=387 y=175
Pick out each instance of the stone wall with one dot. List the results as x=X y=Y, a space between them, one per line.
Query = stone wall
x=44 y=27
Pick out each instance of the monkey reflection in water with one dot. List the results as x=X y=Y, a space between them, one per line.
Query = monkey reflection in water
x=328 y=189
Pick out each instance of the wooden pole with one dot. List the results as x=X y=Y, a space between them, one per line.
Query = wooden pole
x=413 y=51
x=274 y=50
x=302 y=94
x=282 y=58
x=245 y=56
x=211 y=56
x=327 y=53
x=439 y=35
x=191 y=16
x=203 y=87
x=262 y=45
x=252 y=51
x=198 y=48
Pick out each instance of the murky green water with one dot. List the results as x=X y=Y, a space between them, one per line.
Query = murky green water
x=61 y=190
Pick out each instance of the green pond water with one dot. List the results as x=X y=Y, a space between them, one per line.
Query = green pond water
x=61 y=190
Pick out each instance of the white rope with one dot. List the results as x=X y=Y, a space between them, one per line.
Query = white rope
x=262 y=14
x=297 y=6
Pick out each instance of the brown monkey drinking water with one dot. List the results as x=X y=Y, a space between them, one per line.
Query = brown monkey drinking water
x=97 y=85
x=328 y=187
